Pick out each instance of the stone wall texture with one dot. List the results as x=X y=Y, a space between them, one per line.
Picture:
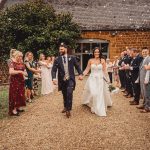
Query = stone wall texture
x=119 y=40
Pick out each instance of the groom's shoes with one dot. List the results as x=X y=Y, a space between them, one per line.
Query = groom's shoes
x=64 y=110
x=134 y=103
x=68 y=114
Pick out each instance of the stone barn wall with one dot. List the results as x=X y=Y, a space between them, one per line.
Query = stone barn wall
x=119 y=40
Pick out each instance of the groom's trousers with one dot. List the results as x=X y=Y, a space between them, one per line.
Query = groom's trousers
x=67 y=91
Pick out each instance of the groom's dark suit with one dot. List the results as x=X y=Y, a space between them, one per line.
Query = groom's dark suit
x=66 y=85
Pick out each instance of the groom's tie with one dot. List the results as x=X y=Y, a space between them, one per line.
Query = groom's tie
x=64 y=59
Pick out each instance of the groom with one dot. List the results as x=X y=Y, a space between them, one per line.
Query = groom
x=66 y=76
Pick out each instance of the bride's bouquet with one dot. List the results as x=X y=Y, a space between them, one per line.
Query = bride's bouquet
x=111 y=88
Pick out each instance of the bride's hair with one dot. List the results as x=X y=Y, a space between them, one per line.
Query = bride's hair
x=100 y=53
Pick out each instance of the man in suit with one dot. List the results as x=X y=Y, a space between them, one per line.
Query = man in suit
x=134 y=71
x=122 y=71
x=147 y=91
x=142 y=74
x=66 y=76
x=127 y=61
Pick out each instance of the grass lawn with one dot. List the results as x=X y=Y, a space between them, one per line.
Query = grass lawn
x=3 y=101
x=4 y=92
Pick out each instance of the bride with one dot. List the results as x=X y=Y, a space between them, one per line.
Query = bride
x=96 y=92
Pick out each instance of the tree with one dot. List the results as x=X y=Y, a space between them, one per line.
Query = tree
x=36 y=27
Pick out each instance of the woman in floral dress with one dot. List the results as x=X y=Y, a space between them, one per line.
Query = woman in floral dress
x=17 y=85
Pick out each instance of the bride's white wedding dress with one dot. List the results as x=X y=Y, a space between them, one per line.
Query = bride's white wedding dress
x=96 y=92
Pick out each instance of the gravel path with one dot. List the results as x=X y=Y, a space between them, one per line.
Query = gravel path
x=43 y=127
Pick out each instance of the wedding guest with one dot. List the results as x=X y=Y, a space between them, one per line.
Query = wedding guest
x=147 y=90
x=50 y=61
x=142 y=74
x=134 y=70
x=12 y=51
x=17 y=84
x=36 y=77
x=53 y=59
x=121 y=71
x=30 y=71
x=109 y=65
x=115 y=70
x=46 y=66
x=35 y=85
x=128 y=80
x=147 y=67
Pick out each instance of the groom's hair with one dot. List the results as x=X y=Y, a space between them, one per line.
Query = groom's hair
x=63 y=45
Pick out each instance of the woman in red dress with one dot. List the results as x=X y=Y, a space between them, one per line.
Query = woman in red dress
x=17 y=85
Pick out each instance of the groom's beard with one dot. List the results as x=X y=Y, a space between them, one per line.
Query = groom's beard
x=62 y=53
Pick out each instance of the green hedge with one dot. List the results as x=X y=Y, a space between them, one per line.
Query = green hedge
x=35 y=26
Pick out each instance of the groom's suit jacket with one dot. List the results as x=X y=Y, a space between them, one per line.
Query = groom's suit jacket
x=58 y=65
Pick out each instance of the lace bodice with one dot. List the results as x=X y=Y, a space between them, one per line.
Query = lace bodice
x=96 y=70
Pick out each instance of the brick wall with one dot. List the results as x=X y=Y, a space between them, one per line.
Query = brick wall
x=120 y=39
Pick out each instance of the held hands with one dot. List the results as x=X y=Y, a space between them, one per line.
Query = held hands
x=55 y=82
x=80 y=77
